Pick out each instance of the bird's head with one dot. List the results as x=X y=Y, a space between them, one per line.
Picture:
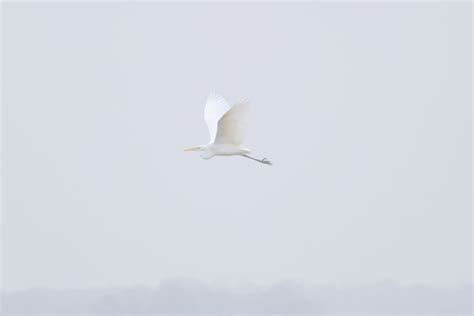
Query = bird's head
x=206 y=153
x=197 y=148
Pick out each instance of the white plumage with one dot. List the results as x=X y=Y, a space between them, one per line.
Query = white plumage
x=216 y=107
x=231 y=126
x=226 y=124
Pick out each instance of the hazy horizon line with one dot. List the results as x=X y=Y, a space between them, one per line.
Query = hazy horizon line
x=244 y=283
x=191 y=296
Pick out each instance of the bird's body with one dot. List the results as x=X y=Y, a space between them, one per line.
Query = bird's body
x=212 y=150
x=226 y=125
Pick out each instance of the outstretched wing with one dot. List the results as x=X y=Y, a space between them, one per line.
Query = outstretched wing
x=216 y=107
x=231 y=127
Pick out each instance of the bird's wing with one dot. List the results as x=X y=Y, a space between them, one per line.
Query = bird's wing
x=216 y=107
x=231 y=127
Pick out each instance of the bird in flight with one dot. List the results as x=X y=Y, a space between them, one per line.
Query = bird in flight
x=226 y=124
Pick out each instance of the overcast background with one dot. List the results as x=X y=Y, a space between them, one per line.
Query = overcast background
x=365 y=110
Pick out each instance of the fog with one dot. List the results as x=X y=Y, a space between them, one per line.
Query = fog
x=364 y=109
x=190 y=296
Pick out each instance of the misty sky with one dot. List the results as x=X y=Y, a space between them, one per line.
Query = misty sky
x=365 y=110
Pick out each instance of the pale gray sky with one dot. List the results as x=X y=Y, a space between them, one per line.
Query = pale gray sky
x=365 y=110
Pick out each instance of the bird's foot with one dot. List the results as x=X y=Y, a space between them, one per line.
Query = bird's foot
x=264 y=160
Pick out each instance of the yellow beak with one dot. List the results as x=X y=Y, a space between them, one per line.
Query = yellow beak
x=191 y=149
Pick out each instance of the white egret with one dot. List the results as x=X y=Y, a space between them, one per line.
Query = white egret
x=226 y=124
